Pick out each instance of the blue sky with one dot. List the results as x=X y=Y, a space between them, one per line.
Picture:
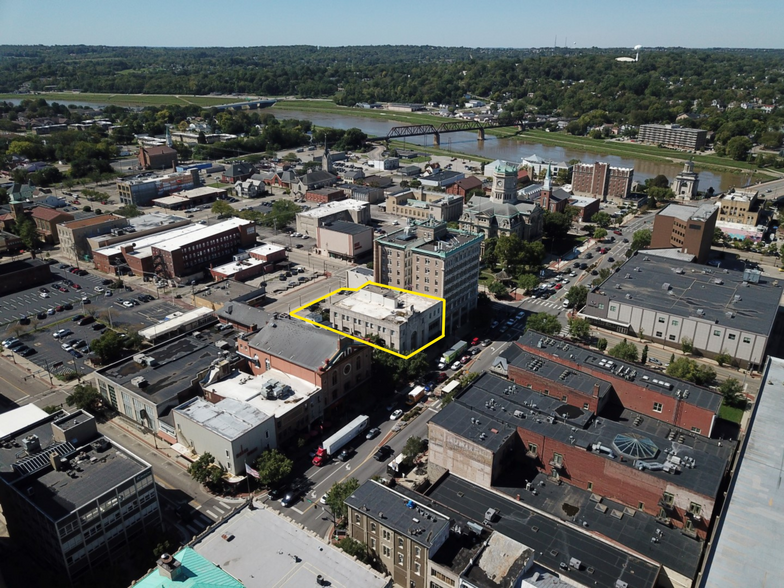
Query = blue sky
x=476 y=23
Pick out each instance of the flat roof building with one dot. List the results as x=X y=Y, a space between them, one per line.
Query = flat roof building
x=403 y=321
x=343 y=240
x=178 y=323
x=69 y=495
x=720 y=310
x=142 y=192
x=348 y=210
x=74 y=235
x=189 y=198
x=674 y=136
x=686 y=228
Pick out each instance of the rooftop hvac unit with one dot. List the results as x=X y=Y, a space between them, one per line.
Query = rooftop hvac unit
x=31 y=443
x=666 y=286
x=139 y=381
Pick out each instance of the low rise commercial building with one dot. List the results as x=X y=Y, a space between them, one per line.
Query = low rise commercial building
x=325 y=195
x=46 y=222
x=69 y=495
x=428 y=257
x=177 y=324
x=403 y=321
x=586 y=207
x=538 y=167
x=674 y=136
x=441 y=178
x=743 y=207
x=142 y=192
x=686 y=228
x=140 y=226
x=246 y=318
x=371 y=194
x=464 y=186
x=356 y=276
x=233 y=431
x=422 y=206
x=719 y=310
x=189 y=198
x=162 y=157
x=342 y=240
x=74 y=235
x=23 y=274
x=348 y=210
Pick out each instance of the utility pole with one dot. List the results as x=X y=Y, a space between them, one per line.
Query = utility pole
x=46 y=362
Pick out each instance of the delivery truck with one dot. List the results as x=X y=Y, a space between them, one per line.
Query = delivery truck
x=454 y=352
x=334 y=443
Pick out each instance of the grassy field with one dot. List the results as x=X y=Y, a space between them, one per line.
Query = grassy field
x=122 y=99
x=734 y=415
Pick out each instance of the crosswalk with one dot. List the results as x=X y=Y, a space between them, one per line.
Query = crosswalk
x=207 y=517
x=544 y=303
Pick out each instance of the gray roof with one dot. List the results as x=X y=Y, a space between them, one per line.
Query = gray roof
x=695 y=289
x=240 y=168
x=318 y=176
x=228 y=418
x=298 y=342
x=685 y=213
x=747 y=547
x=554 y=542
x=553 y=371
x=243 y=314
x=397 y=511
x=556 y=347
x=633 y=529
x=348 y=228
x=262 y=554
x=485 y=205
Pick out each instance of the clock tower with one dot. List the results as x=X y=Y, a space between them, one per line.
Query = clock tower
x=504 y=184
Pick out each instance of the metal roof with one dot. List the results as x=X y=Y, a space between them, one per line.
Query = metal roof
x=300 y=343
x=228 y=418
x=196 y=571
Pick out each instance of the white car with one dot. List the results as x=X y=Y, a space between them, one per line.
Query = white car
x=44 y=295
x=61 y=333
x=456 y=366
x=127 y=304
x=323 y=499
x=441 y=365
x=98 y=289
x=396 y=415
x=66 y=347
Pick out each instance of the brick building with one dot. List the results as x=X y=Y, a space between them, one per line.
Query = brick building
x=73 y=235
x=688 y=228
x=23 y=274
x=464 y=186
x=325 y=195
x=342 y=240
x=142 y=192
x=157 y=157
x=601 y=180
x=46 y=221
x=586 y=207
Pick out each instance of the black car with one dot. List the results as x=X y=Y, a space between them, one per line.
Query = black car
x=14 y=346
x=99 y=327
x=77 y=317
x=291 y=498
x=346 y=454
x=75 y=353
x=107 y=281
x=27 y=352
x=21 y=349
x=383 y=452
x=275 y=493
x=41 y=315
x=594 y=273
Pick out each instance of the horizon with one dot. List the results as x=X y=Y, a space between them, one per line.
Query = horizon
x=573 y=24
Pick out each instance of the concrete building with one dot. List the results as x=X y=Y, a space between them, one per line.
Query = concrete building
x=743 y=207
x=600 y=180
x=348 y=210
x=687 y=228
x=721 y=311
x=142 y=192
x=403 y=321
x=388 y=163
x=503 y=213
x=428 y=257
x=74 y=235
x=685 y=183
x=342 y=240
x=335 y=365
x=70 y=496
x=364 y=193
x=271 y=550
x=187 y=566
x=436 y=205
x=176 y=324
x=148 y=385
x=587 y=207
x=46 y=221
x=538 y=166
x=232 y=431
x=157 y=157
x=189 y=198
x=441 y=178
x=674 y=136
x=356 y=276
x=140 y=226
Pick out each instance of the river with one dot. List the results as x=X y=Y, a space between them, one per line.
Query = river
x=511 y=149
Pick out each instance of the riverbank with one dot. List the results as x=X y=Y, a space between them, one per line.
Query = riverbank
x=123 y=100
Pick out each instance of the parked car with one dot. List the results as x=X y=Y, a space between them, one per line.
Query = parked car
x=86 y=320
x=98 y=289
x=10 y=341
x=456 y=366
x=654 y=361
x=26 y=352
x=383 y=452
x=441 y=377
x=373 y=433
x=617 y=232
x=396 y=415
x=487 y=343
x=291 y=497
x=475 y=341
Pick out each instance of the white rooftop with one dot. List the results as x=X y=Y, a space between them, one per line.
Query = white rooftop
x=20 y=418
x=154 y=219
x=253 y=389
x=143 y=244
x=263 y=552
x=267 y=249
x=174 y=199
x=684 y=213
x=333 y=207
x=383 y=304
x=200 y=191
x=203 y=232
x=740 y=196
x=234 y=267
x=581 y=201
x=165 y=326
x=228 y=418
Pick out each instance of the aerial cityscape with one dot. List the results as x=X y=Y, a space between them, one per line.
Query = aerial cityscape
x=308 y=309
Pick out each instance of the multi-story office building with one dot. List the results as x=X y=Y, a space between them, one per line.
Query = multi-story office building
x=673 y=136
x=741 y=206
x=143 y=191
x=689 y=228
x=74 y=234
x=403 y=321
x=441 y=207
x=601 y=180
x=428 y=257
x=70 y=496
x=349 y=210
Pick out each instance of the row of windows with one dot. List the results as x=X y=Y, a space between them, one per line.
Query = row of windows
x=716 y=333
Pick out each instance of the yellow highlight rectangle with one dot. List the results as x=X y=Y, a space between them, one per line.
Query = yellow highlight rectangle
x=410 y=355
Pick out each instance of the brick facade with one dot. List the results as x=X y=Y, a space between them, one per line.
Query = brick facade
x=556 y=389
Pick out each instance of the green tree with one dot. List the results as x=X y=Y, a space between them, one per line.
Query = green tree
x=109 y=346
x=527 y=282
x=413 y=447
x=640 y=240
x=556 y=225
x=718 y=237
x=723 y=358
x=644 y=356
x=205 y=471
x=128 y=211
x=687 y=345
x=599 y=233
x=355 y=548
x=738 y=148
x=336 y=497
x=282 y=214
x=85 y=397
x=601 y=344
x=691 y=371
x=498 y=289
x=624 y=350
x=602 y=219
x=579 y=328
x=771 y=139
x=273 y=467
x=577 y=296
x=27 y=232
x=732 y=391
x=544 y=323
x=202 y=138
x=222 y=208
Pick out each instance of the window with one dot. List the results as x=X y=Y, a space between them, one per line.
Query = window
x=386 y=551
x=695 y=509
x=563 y=398
x=657 y=407
x=386 y=534
x=445 y=579
x=612 y=308
x=668 y=498
x=640 y=506
x=696 y=430
x=357 y=519
x=417 y=568
x=546 y=392
x=533 y=449
x=400 y=559
x=373 y=543
x=716 y=333
x=601 y=306
x=372 y=527
x=658 y=333
x=590 y=486
x=731 y=336
x=747 y=339
x=585 y=406
x=661 y=319
x=671 y=337
x=674 y=323
x=557 y=460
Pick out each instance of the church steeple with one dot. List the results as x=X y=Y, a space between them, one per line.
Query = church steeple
x=548 y=180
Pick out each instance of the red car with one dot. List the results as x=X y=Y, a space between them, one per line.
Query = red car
x=465 y=359
x=558 y=286
x=77 y=287
x=475 y=341
x=617 y=232
x=440 y=377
